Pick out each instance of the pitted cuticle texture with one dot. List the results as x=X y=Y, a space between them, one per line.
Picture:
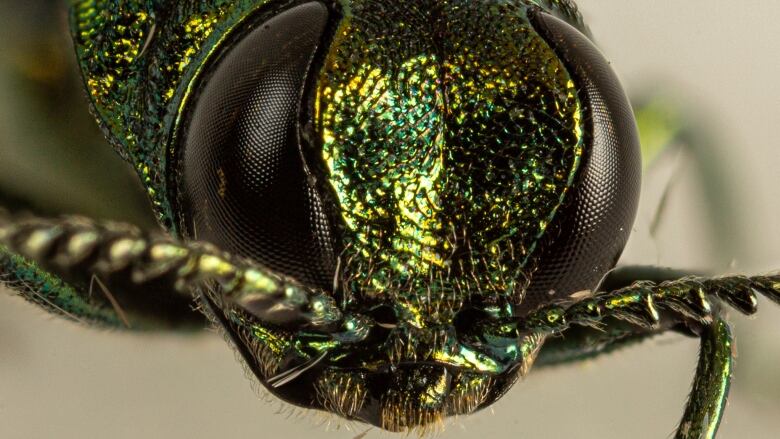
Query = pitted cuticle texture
x=451 y=133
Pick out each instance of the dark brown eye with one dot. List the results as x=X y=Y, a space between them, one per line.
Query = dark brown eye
x=594 y=226
x=244 y=187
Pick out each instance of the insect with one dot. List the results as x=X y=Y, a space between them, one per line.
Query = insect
x=397 y=309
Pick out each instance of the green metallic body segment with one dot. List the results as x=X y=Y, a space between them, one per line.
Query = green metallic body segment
x=450 y=143
x=139 y=59
x=52 y=293
x=106 y=251
x=710 y=392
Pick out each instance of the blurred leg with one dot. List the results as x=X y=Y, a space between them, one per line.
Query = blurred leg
x=711 y=385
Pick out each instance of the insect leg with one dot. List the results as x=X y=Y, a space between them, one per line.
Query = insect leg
x=59 y=282
x=52 y=293
x=690 y=302
x=584 y=342
x=125 y=258
x=707 y=400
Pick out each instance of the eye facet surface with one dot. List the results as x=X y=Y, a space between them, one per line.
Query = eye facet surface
x=595 y=225
x=244 y=186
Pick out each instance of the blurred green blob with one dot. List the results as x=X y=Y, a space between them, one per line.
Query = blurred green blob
x=660 y=123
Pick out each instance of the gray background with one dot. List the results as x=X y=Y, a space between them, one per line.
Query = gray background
x=718 y=58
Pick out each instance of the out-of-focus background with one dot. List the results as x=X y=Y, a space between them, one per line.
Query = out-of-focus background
x=714 y=64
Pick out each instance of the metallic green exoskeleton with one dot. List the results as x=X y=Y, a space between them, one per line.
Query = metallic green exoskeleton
x=393 y=209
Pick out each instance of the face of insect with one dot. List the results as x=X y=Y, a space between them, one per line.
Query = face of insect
x=436 y=168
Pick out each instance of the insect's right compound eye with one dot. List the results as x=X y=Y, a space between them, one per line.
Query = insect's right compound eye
x=243 y=185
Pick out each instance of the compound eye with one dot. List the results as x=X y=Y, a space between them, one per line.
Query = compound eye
x=243 y=185
x=593 y=227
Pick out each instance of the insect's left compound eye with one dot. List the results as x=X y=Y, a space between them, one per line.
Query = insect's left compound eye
x=595 y=223
x=243 y=186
